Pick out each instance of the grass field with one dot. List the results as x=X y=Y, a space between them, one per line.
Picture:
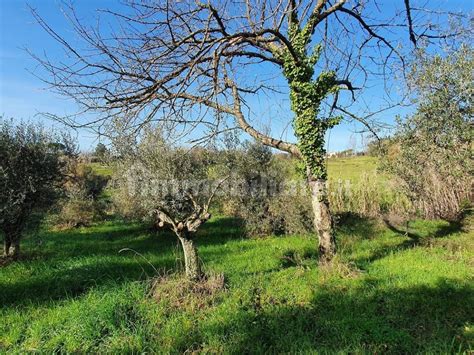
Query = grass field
x=351 y=168
x=75 y=292
x=92 y=290
x=101 y=169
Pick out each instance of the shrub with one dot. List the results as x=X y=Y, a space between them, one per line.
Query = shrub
x=271 y=197
x=280 y=203
x=292 y=213
x=256 y=183
x=77 y=210
x=82 y=203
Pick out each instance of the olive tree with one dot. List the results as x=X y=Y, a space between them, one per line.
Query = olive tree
x=210 y=63
x=30 y=175
x=431 y=152
x=168 y=185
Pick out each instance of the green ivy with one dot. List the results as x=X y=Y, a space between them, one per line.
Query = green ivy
x=306 y=95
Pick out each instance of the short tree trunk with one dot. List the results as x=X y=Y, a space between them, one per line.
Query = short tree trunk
x=6 y=245
x=15 y=248
x=323 y=222
x=191 y=259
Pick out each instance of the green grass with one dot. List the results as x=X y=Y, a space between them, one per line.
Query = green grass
x=101 y=169
x=338 y=168
x=351 y=168
x=75 y=292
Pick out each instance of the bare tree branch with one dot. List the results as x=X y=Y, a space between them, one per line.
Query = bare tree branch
x=168 y=61
x=410 y=22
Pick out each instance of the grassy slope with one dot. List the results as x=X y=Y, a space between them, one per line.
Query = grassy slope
x=76 y=292
x=351 y=168
x=339 y=168
x=101 y=169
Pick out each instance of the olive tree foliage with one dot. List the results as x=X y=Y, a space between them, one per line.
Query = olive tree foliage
x=431 y=152
x=81 y=203
x=31 y=173
x=256 y=183
x=101 y=152
x=208 y=63
x=268 y=195
x=171 y=186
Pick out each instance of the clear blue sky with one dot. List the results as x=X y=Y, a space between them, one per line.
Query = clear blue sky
x=22 y=95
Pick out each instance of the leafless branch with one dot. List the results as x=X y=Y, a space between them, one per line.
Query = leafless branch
x=180 y=63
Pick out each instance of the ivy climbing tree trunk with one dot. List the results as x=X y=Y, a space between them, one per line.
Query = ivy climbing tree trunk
x=191 y=258
x=306 y=95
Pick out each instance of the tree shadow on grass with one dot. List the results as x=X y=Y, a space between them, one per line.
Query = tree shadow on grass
x=85 y=242
x=90 y=250
x=220 y=231
x=371 y=319
x=73 y=281
x=417 y=236
x=354 y=228
x=350 y=223
x=68 y=263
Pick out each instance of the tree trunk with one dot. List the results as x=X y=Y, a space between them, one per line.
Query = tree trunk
x=191 y=259
x=323 y=222
x=6 y=245
x=15 y=248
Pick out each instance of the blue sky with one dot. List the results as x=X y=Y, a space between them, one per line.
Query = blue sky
x=22 y=95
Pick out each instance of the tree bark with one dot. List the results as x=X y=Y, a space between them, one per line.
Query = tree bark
x=15 y=248
x=6 y=245
x=191 y=258
x=323 y=222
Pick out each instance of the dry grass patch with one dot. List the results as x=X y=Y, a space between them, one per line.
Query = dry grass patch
x=178 y=292
x=338 y=269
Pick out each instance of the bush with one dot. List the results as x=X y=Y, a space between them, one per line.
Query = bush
x=77 y=210
x=82 y=203
x=255 y=183
x=292 y=212
x=280 y=203
x=265 y=199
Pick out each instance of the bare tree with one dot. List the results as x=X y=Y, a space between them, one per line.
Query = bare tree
x=191 y=64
